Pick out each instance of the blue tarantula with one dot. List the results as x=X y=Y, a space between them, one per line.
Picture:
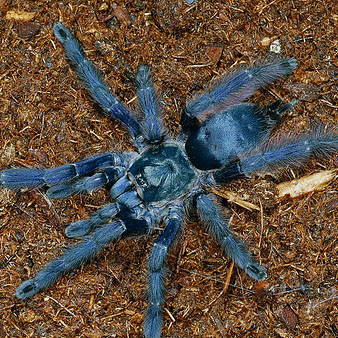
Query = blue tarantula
x=222 y=140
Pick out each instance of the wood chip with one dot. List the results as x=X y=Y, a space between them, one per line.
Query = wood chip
x=232 y=197
x=306 y=184
x=20 y=15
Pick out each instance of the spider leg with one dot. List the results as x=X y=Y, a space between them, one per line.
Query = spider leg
x=157 y=272
x=210 y=216
x=231 y=90
x=122 y=185
x=290 y=152
x=152 y=126
x=92 y=80
x=94 y=243
x=20 y=178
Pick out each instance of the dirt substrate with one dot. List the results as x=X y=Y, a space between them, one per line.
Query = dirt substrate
x=47 y=119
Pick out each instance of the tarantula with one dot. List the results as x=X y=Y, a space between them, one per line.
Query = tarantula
x=222 y=139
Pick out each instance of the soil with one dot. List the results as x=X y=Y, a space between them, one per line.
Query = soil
x=47 y=119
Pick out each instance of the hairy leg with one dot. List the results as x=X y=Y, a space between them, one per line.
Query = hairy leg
x=20 y=178
x=157 y=273
x=278 y=154
x=152 y=127
x=92 y=80
x=233 y=89
x=91 y=246
x=211 y=217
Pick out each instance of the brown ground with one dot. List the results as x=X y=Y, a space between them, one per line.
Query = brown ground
x=46 y=119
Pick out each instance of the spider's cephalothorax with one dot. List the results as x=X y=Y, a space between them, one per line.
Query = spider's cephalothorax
x=222 y=139
x=162 y=173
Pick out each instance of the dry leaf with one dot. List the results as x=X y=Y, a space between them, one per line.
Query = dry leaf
x=286 y=314
x=28 y=29
x=214 y=53
x=121 y=13
x=262 y=287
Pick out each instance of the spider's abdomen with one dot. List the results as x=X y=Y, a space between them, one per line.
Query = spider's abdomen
x=224 y=135
x=162 y=173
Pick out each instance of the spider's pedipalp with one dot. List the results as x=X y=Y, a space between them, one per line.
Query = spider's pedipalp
x=98 y=218
x=157 y=272
x=148 y=103
x=211 y=217
x=285 y=153
x=121 y=186
x=130 y=198
x=91 y=79
x=231 y=90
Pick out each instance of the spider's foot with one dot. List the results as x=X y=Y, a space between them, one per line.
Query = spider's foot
x=27 y=289
x=288 y=65
x=78 y=229
x=256 y=271
x=61 y=32
x=21 y=178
